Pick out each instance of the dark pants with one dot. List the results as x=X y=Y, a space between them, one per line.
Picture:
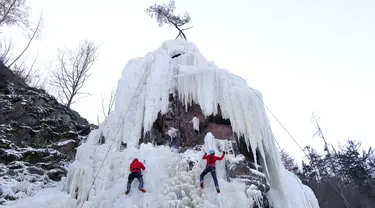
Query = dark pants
x=132 y=176
x=212 y=170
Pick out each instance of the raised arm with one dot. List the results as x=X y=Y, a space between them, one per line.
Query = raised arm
x=222 y=156
x=142 y=166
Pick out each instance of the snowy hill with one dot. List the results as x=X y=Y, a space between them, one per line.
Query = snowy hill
x=177 y=71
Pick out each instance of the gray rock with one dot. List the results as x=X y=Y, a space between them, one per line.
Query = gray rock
x=38 y=136
x=35 y=170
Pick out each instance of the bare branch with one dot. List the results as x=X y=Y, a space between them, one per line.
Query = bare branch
x=5 y=51
x=27 y=74
x=14 y=12
x=187 y=28
x=107 y=105
x=107 y=108
x=73 y=71
x=34 y=33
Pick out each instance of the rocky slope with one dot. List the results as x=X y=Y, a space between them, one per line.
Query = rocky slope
x=38 y=137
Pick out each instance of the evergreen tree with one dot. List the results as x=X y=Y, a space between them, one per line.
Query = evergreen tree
x=318 y=163
x=289 y=162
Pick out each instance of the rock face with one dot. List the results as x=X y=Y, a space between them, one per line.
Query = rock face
x=176 y=129
x=38 y=136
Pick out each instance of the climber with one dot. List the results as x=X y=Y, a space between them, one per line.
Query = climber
x=210 y=167
x=135 y=169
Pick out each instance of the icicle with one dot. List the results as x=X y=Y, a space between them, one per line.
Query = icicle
x=195 y=121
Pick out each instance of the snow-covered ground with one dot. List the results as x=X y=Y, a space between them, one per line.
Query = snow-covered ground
x=142 y=92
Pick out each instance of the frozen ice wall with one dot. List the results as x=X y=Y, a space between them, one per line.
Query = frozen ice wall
x=142 y=92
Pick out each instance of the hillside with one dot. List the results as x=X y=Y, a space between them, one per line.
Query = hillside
x=38 y=137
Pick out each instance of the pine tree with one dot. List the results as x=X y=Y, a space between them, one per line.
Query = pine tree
x=289 y=162
x=318 y=163
x=355 y=168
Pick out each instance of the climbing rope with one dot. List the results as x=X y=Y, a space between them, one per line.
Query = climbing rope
x=340 y=192
x=127 y=110
x=215 y=105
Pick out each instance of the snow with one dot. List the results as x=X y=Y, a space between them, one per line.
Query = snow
x=142 y=92
x=172 y=132
x=195 y=121
x=255 y=194
x=65 y=142
x=21 y=184
x=236 y=159
x=298 y=195
x=6 y=127
x=46 y=198
x=29 y=128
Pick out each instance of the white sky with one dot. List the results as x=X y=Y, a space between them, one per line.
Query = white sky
x=303 y=55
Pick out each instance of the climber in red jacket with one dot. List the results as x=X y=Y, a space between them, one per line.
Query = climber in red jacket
x=135 y=172
x=210 y=167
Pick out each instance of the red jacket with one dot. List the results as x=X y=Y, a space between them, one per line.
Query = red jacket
x=136 y=166
x=211 y=159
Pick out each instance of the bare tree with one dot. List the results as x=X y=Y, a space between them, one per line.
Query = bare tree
x=164 y=14
x=73 y=71
x=14 y=12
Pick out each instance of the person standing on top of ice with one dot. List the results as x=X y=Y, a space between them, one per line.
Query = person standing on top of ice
x=135 y=172
x=210 y=167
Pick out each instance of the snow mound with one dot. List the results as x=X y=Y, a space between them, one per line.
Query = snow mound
x=45 y=198
x=143 y=91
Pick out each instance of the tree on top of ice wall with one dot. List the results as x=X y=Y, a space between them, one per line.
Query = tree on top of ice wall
x=164 y=14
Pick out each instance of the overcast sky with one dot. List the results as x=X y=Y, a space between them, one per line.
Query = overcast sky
x=304 y=56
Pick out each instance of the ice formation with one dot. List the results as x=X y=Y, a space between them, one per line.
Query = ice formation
x=172 y=132
x=195 y=121
x=142 y=92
